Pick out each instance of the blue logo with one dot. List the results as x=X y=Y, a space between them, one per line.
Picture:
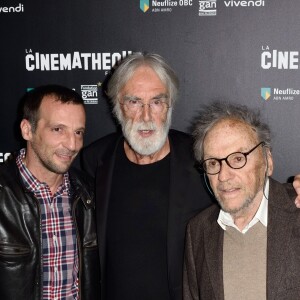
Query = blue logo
x=144 y=5
x=265 y=93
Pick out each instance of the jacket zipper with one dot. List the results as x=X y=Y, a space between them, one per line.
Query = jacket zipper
x=78 y=246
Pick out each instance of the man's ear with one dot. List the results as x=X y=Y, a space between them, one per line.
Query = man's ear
x=269 y=159
x=26 y=130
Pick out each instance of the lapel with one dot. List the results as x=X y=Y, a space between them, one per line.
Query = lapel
x=104 y=174
x=181 y=170
x=281 y=220
x=213 y=248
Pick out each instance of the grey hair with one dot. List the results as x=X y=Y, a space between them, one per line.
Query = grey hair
x=126 y=70
x=213 y=113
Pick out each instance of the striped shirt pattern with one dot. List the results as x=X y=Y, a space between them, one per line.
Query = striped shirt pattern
x=59 y=248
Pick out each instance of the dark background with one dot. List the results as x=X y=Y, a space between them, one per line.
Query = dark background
x=215 y=57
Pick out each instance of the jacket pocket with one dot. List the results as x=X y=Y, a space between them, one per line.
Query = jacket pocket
x=19 y=272
x=13 y=252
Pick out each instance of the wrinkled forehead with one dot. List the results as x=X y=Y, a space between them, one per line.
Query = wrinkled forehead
x=230 y=132
x=144 y=79
x=233 y=126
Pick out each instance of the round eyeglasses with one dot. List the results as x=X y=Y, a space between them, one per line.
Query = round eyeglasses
x=156 y=106
x=236 y=160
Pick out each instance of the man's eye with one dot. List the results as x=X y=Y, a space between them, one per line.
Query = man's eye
x=56 y=129
x=133 y=102
x=79 y=132
x=237 y=158
x=212 y=163
x=156 y=102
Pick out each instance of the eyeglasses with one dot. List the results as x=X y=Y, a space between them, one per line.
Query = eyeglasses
x=156 y=105
x=236 y=160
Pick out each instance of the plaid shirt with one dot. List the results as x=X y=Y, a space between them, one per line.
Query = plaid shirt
x=59 y=248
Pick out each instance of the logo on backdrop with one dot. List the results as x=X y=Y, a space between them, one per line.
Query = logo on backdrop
x=89 y=94
x=36 y=61
x=163 y=6
x=144 y=5
x=277 y=94
x=244 y=3
x=12 y=9
x=278 y=59
x=208 y=8
x=265 y=93
x=204 y=7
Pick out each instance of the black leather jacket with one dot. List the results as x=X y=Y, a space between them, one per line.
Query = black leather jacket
x=20 y=237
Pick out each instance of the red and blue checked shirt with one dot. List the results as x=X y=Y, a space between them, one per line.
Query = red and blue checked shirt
x=59 y=248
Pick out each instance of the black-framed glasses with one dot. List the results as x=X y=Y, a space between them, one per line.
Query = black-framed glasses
x=236 y=160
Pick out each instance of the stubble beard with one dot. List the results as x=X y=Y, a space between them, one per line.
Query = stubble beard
x=234 y=211
x=244 y=206
x=49 y=164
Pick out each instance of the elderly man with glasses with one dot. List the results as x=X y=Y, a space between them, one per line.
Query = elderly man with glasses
x=248 y=246
x=147 y=187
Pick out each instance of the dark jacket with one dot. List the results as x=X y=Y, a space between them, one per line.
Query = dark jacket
x=203 y=267
x=187 y=198
x=20 y=237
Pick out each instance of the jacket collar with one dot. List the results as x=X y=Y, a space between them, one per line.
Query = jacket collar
x=282 y=219
x=81 y=188
x=213 y=247
x=80 y=185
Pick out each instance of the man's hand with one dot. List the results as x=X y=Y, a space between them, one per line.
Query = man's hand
x=296 y=184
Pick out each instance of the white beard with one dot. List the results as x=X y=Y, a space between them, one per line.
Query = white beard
x=146 y=145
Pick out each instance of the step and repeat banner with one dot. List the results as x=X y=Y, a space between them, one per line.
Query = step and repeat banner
x=239 y=50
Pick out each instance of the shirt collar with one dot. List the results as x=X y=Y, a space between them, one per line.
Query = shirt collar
x=261 y=215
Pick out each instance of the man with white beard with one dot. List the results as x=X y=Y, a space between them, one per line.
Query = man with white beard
x=146 y=185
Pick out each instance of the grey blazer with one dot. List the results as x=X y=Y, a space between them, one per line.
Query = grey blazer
x=203 y=262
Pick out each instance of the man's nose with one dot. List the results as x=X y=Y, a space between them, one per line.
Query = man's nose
x=225 y=171
x=146 y=112
x=70 y=141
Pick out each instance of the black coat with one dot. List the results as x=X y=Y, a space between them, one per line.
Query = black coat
x=20 y=237
x=187 y=198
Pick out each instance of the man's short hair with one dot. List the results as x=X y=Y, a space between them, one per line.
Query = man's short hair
x=33 y=99
x=211 y=114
